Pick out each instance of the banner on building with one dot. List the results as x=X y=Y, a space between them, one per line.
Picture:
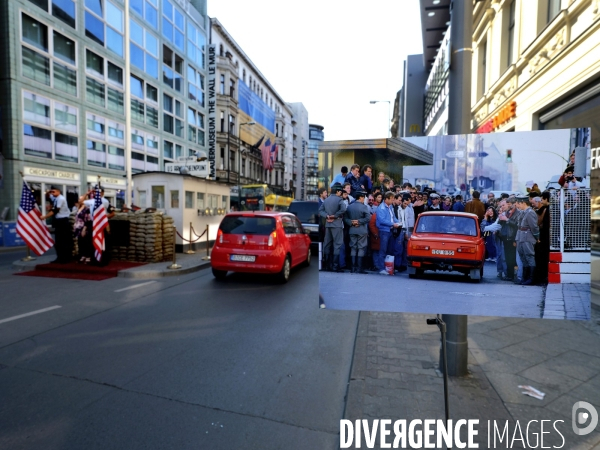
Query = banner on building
x=212 y=110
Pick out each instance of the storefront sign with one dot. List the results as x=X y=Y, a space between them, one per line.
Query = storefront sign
x=50 y=173
x=212 y=110
x=196 y=170
x=595 y=156
x=92 y=179
x=505 y=114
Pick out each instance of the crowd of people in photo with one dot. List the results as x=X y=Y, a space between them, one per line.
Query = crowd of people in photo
x=363 y=221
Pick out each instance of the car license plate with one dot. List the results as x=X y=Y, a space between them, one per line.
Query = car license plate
x=244 y=258
x=442 y=252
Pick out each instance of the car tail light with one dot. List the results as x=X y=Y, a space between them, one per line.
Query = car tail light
x=467 y=249
x=272 y=239
x=420 y=247
x=220 y=236
x=416 y=264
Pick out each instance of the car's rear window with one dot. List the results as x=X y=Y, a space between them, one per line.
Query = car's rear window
x=306 y=212
x=447 y=225
x=247 y=225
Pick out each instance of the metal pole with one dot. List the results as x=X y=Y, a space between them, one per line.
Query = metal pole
x=207 y=257
x=561 y=199
x=28 y=257
x=190 y=251
x=174 y=265
x=127 y=107
x=459 y=115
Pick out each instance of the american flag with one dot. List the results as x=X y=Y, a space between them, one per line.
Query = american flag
x=274 y=149
x=29 y=226
x=266 y=154
x=100 y=221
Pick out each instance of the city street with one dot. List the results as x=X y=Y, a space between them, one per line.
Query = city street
x=177 y=362
x=448 y=293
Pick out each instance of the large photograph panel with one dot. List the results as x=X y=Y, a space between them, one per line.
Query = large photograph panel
x=459 y=256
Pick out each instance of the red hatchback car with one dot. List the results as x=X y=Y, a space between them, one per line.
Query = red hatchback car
x=446 y=240
x=260 y=242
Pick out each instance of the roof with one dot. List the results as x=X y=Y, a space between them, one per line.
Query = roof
x=433 y=27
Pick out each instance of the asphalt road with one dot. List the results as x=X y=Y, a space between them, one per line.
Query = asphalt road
x=178 y=363
x=435 y=293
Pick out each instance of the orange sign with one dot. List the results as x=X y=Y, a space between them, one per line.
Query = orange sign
x=505 y=114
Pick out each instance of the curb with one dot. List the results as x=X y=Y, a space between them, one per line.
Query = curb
x=145 y=274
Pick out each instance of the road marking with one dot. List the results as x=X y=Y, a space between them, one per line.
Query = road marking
x=39 y=311
x=135 y=286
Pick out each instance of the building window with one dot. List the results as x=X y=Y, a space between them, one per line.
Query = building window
x=189 y=200
x=144 y=111
x=195 y=126
x=511 y=34
x=200 y=200
x=174 y=199
x=168 y=150
x=232 y=87
x=553 y=9
x=105 y=142
x=143 y=49
x=147 y=10
x=104 y=24
x=222 y=85
x=158 y=197
x=173 y=25
x=61 y=74
x=172 y=69
x=64 y=10
x=46 y=143
x=482 y=69
x=101 y=71
x=195 y=86
x=196 y=42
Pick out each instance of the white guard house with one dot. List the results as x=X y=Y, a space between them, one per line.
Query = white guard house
x=185 y=193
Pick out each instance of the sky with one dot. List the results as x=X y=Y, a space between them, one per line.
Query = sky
x=333 y=56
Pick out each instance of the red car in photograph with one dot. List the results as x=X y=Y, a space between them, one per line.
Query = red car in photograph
x=447 y=241
x=260 y=242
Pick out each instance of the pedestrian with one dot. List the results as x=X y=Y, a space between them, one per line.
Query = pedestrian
x=508 y=232
x=528 y=235
x=354 y=180
x=542 y=248
x=490 y=246
x=356 y=219
x=476 y=206
x=365 y=179
x=63 y=233
x=458 y=206
x=385 y=223
x=340 y=177
x=332 y=210
x=408 y=218
x=82 y=231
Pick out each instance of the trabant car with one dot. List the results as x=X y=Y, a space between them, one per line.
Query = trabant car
x=260 y=242
x=446 y=241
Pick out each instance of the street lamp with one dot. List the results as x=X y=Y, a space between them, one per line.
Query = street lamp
x=240 y=166
x=389 y=114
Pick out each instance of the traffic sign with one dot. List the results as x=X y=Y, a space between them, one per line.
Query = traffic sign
x=477 y=154
x=456 y=154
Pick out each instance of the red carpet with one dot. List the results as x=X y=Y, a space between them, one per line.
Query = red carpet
x=75 y=271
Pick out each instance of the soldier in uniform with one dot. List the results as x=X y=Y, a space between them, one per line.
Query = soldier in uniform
x=357 y=217
x=332 y=210
x=528 y=234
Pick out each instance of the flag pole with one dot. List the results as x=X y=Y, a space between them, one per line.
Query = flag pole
x=28 y=257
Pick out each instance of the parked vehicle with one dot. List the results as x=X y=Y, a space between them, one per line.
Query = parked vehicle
x=308 y=214
x=446 y=241
x=260 y=242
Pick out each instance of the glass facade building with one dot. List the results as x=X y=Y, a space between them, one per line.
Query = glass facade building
x=62 y=116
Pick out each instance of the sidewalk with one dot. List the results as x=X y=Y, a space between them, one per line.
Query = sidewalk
x=188 y=263
x=394 y=373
